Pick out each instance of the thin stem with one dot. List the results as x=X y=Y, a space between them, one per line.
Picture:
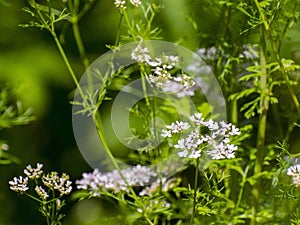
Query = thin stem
x=240 y=195
x=99 y=126
x=79 y=43
x=67 y=63
x=264 y=106
x=129 y=24
x=284 y=73
x=277 y=57
x=119 y=30
x=53 y=219
x=195 y=191
x=148 y=220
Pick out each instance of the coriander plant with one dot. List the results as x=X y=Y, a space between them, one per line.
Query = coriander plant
x=181 y=146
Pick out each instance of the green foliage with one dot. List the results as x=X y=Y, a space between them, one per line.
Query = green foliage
x=246 y=45
x=10 y=116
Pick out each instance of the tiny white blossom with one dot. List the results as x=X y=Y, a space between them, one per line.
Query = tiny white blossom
x=169 y=61
x=234 y=131
x=136 y=3
x=55 y=182
x=96 y=182
x=63 y=185
x=195 y=154
x=216 y=142
x=34 y=173
x=166 y=133
x=41 y=192
x=183 y=154
x=178 y=126
x=120 y=4
x=50 y=180
x=294 y=171
x=141 y=55
x=177 y=88
x=197 y=118
x=19 y=184
x=91 y=180
x=211 y=125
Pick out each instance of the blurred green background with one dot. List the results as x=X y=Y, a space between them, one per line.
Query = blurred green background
x=32 y=67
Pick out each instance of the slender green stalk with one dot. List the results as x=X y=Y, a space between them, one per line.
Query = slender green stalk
x=98 y=122
x=119 y=30
x=262 y=122
x=149 y=221
x=240 y=195
x=195 y=191
x=124 y=13
x=99 y=126
x=277 y=57
x=284 y=73
x=50 y=27
x=67 y=63
x=79 y=43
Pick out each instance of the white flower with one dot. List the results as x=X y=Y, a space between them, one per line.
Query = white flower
x=176 y=87
x=216 y=141
x=197 y=118
x=183 y=154
x=211 y=125
x=50 y=180
x=19 y=184
x=136 y=3
x=41 y=192
x=166 y=133
x=96 y=182
x=63 y=185
x=195 y=154
x=120 y=4
x=141 y=55
x=294 y=171
x=222 y=151
x=34 y=173
x=234 y=131
x=55 y=182
x=178 y=126
x=91 y=180
x=138 y=175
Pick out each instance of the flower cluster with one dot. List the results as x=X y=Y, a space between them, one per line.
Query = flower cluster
x=50 y=182
x=161 y=76
x=294 y=171
x=248 y=51
x=19 y=184
x=122 y=3
x=216 y=139
x=95 y=182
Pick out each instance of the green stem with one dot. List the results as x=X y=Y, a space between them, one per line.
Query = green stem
x=284 y=73
x=264 y=106
x=67 y=63
x=240 y=195
x=119 y=30
x=148 y=220
x=277 y=57
x=79 y=42
x=195 y=191
x=131 y=29
x=99 y=126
